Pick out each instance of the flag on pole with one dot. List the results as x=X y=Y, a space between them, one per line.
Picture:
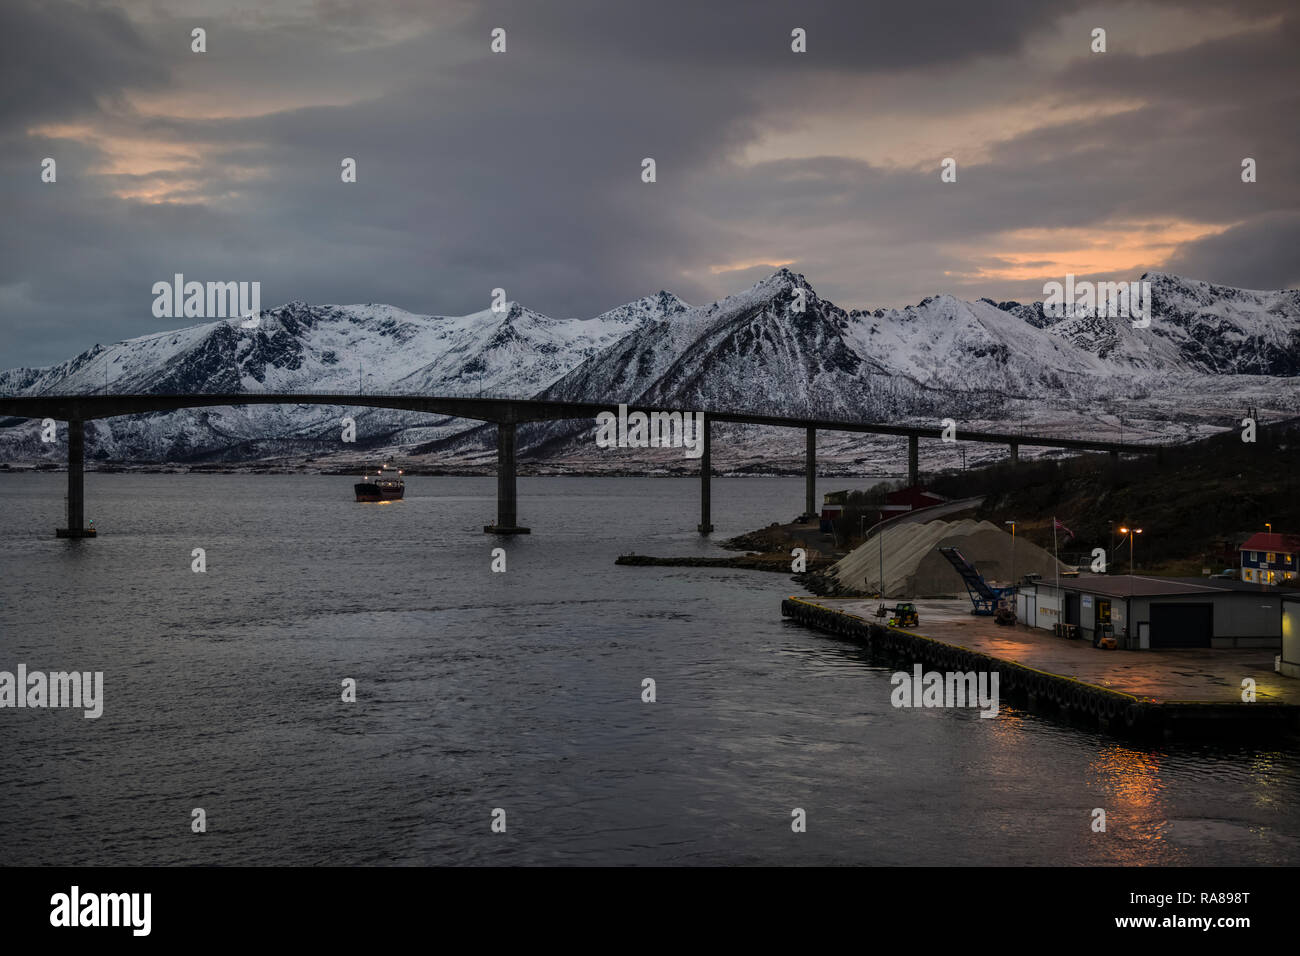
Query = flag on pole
x=1057 y=526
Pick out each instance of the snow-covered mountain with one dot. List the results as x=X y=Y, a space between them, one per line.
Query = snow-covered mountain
x=1210 y=351
x=777 y=348
x=316 y=349
x=768 y=349
x=1196 y=327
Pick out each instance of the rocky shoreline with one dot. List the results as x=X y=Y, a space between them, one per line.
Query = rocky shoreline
x=767 y=549
x=778 y=563
x=818 y=582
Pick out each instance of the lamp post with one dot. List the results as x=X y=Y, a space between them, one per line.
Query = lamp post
x=880 y=541
x=1128 y=603
x=1130 y=532
x=1013 y=551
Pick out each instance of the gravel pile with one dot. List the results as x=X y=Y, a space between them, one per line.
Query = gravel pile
x=915 y=568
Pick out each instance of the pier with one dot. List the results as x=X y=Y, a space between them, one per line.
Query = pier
x=1174 y=693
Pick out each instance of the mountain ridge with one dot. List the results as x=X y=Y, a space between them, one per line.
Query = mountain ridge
x=777 y=347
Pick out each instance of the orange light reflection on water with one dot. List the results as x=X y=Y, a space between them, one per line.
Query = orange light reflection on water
x=1133 y=798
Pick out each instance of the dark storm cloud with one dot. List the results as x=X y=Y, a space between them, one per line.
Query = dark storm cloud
x=1260 y=63
x=60 y=60
x=1254 y=255
x=754 y=35
x=1176 y=159
x=523 y=170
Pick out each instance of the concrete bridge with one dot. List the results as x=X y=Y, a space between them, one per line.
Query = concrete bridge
x=506 y=414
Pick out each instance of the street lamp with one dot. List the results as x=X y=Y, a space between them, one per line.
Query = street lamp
x=1130 y=532
x=1128 y=604
x=1013 y=551
x=880 y=542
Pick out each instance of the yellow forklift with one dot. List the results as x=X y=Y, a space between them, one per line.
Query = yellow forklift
x=901 y=615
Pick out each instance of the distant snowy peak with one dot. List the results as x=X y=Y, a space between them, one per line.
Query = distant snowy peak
x=783 y=290
x=1196 y=327
x=658 y=306
x=1184 y=293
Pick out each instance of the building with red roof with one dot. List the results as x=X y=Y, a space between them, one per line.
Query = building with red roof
x=1268 y=558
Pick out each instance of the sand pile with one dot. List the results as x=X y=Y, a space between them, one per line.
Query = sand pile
x=915 y=568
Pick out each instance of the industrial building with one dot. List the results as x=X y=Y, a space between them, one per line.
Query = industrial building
x=1289 y=659
x=1149 y=613
x=897 y=503
x=907 y=499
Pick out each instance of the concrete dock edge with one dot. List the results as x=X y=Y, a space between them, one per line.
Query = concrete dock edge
x=1063 y=696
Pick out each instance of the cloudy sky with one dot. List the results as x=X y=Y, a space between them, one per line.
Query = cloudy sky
x=522 y=169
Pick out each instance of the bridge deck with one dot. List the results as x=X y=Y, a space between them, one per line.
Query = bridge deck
x=507 y=410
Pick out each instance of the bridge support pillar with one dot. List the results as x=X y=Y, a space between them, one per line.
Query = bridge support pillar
x=1015 y=454
x=913 y=460
x=507 y=503
x=706 y=472
x=76 y=508
x=810 y=476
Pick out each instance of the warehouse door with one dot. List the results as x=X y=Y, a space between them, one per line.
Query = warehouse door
x=1071 y=608
x=1181 y=625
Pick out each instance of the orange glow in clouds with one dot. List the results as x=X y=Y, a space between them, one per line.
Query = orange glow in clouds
x=1116 y=248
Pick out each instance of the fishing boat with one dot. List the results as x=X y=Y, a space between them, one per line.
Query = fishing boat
x=386 y=485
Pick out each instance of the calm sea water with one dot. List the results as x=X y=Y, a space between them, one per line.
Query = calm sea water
x=522 y=691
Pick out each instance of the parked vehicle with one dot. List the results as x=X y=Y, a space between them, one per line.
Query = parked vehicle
x=901 y=615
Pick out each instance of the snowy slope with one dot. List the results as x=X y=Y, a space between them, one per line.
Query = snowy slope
x=947 y=343
x=1224 y=330
x=306 y=348
x=1197 y=327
